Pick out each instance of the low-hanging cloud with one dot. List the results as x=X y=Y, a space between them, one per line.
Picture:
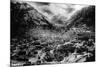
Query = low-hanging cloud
x=52 y=9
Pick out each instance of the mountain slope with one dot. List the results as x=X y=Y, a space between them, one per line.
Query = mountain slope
x=35 y=40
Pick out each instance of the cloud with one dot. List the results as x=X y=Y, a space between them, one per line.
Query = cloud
x=57 y=12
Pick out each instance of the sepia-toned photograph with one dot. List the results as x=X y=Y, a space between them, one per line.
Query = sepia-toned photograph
x=45 y=33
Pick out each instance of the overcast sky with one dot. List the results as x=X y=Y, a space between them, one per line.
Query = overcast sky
x=59 y=10
x=56 y=11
